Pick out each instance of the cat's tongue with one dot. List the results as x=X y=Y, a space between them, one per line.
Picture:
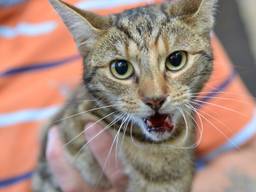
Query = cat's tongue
x=159 y=123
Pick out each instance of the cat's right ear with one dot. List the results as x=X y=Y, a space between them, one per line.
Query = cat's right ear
x=85 y=26
x=197 y=13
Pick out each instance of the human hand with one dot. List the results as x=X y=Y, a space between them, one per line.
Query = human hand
x=231 y=172
x=69 y=178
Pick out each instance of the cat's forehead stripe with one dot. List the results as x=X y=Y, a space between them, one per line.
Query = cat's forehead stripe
x=141 y=24
x=128 y=34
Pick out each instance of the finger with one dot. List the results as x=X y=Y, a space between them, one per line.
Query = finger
x=66 y=175
x=100 y=146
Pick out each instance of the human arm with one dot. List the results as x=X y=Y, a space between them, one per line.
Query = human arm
x=231 y=172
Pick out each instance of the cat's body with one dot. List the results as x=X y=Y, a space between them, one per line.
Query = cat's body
x=150 y=167
x=147 y=90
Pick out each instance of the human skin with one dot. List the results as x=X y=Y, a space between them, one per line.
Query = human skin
x=231 y=172
x=68 y=177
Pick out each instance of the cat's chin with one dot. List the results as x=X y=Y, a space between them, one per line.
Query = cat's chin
x=158 y=136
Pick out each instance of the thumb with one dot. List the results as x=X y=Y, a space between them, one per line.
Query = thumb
x=63 y=171
x=102 y=146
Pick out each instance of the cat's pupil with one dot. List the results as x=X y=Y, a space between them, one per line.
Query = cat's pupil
x=175 y=59
x=121 y=67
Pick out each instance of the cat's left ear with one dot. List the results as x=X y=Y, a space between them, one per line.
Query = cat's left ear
x=86 y=27
x=199 y=14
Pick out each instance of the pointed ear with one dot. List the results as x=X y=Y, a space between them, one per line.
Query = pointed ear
x=85 y=26
x=198 y=13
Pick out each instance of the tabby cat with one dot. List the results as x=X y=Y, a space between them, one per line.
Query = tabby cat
x=141 y=69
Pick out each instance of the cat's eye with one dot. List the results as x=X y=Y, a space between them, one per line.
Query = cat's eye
x=176 y=61
x=121 y=69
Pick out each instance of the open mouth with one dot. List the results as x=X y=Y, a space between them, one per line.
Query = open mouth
x=159 y=123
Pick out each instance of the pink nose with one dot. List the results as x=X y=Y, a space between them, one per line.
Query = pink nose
x=154 y=103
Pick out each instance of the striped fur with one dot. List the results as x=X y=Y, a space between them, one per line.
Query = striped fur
x=145 y=37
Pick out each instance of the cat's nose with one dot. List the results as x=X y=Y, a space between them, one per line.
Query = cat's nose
x=155 y=103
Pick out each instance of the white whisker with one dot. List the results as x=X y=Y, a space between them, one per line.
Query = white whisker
x=118 y=132
x=186 y=124
x=200 y=128
x=219 y=106
x=220 y=98
x=99 y=133
x=83 y=112
x=112 y=144
x=82 y=132
x=219 y=130
x=125 y=129
x=132 y=139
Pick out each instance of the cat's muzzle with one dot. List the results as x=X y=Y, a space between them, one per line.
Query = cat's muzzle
x=159 y=123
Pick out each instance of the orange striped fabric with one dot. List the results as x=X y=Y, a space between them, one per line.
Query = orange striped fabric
x=227 y=106
x=39 y=65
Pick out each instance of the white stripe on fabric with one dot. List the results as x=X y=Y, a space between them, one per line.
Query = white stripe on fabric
x=27 y=29
x=26 y=116
x=239 y=139
x=100 y=4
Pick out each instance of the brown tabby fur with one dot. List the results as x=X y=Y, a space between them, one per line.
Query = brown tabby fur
x=145 y=37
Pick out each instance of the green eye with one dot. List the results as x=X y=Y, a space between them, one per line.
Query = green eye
x=121 y=69
x=176 y=61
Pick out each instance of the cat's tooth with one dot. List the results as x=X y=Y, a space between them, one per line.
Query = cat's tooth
x=168 y=120
x=149 y=124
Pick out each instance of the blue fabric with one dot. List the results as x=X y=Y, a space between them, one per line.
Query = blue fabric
x=217 y=90
x=6 y=3
x=14 y=180
x=38 y=66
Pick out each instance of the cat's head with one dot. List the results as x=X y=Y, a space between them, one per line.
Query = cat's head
x=147 y=62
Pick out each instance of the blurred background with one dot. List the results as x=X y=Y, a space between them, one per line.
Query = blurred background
x=236 y=27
